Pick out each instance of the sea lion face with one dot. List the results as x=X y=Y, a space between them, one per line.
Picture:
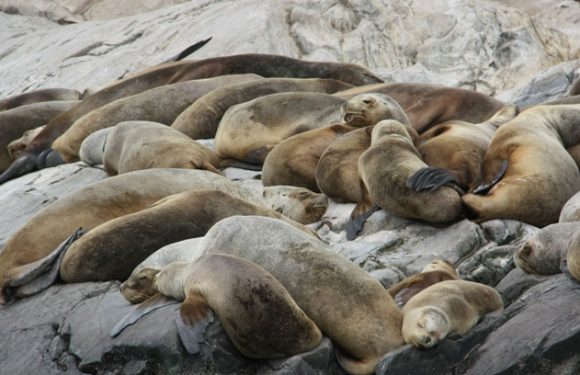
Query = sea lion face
x=425 y=327
x=16 y=147
x=140 y=286
x=299 y=204
x=538 y=256
x=368 y=109
x=441 y=265
x=387 y=129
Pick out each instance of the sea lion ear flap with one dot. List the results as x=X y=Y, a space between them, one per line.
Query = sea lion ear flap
x=149 y=305
x=507 y=113
x=188 y=51
x=194 y=317
x=362 y=211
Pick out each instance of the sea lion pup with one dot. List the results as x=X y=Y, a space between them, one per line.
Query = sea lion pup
x=543 y=253
x=16 y=121
x=111 y=250
x=427 y=105
x=136 y=145
x=452 y=306
x=201 y=119
x=455 y=149
x=256 y=311
x=294 y=160
x=248 y=131
x=161 y=104
x=37 y=96
x=436 y=271
x=527 y=174
x=128 y=193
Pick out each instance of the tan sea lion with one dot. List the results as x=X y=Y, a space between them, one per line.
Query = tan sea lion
x=573 y=257
x=527 y=174
x=427 y=105
x=256 y=311
x=136 y=145
x=571 y=210
x=543 y=253
x=111 y=250
x=125 y=194
x=201 y=119
x=38 y=96
x=452 y=306
x=250 y=130
x=436 y=271
x=294 y=161
x=161 y=104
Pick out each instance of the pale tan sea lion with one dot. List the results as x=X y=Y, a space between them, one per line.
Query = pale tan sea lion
x=136 y=145
x=128 y=193
x=256 y=311
x=527 y=174
x=111 y=250
x=161 y=104
x=573 y=257
x=452 y=306
x=428 y=105
x=37 y=96
x=201 y=119
x=250 y=130
x=294 y=161
x=436 y=271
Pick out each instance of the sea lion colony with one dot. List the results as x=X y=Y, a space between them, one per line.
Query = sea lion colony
x=426 y=152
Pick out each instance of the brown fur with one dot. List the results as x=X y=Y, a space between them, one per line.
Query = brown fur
x=38 y=96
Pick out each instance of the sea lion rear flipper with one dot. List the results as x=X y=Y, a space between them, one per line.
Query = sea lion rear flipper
x=485 y=188
x=48 y=158
x=24 y=164
x=358 y=217
x=195 y=315
x=188 y=51
x=432 y=178
x=151 y=304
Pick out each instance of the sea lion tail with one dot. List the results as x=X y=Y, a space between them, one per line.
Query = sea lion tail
x=195 y=315
x=149 y=305
x=188 y=51
x=432 y=178
x=485 y=188
x=24 y=164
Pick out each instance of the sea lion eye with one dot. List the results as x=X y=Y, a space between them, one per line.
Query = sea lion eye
x=367 y=101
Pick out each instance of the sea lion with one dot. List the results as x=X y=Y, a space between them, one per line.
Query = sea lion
x=256 y=311
x=248 y=131
x=111 y=250
x=427 y=105
x=452 y=306
x=436 y=271
x=571 y=210
x=37 y=96
x=573 y=257
x=385 y=169
x=294 y=161
x=128 y=193
x=574 y=87
x=543 y=253
x=136 y=145
x=456 y=148
x=161 y=104
x=16 y=121
x=201 y=119
x=527 y=174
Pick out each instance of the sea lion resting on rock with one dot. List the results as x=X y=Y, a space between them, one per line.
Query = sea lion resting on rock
x=571 y=210
x=161 y=104
x=348 y=305
x=527 y=173
x=436 y=271
x=38 y=96
x=256 y=311
x=136 y=145
x=294 y=161
x=452 y=306
x=125 y=194
x=573 y=257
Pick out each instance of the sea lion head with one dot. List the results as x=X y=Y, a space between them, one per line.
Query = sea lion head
x=424 y=327
x=368 y=109
x=388 y=130
x=299 y=204
x=441 y=265
x=171 y=279
x=541 y=254
x=140 y=285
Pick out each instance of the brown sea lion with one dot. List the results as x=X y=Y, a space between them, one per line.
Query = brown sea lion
x=250 y=130
x=136 y=145
x=452 y=306
x=294 y=161
x=527 y=173
x=202 y=118
x=162 y=104
x=428 y=105
x=436 y=271
x=37 y=96
x=256 y=311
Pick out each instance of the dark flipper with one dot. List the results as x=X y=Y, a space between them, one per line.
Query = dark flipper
x=21 y=166
x=189 y=50
x=431 y=178
x=48 y=158
x=358 y=217
x=151 y=304
x=225 y=163
x=485 y=188
x=195 y=315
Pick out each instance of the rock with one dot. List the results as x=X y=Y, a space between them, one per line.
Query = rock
x=517 y=282
x=489 y=264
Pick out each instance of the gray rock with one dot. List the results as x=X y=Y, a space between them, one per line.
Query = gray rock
x=517 y=282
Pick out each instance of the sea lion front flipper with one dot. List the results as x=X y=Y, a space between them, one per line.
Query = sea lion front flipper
x=188 y=51
x=358 y=217
x=151 y=304
x=195 y=315
x=233 y=163
x=21 y=166
x=485 y=188
x=431 y=178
